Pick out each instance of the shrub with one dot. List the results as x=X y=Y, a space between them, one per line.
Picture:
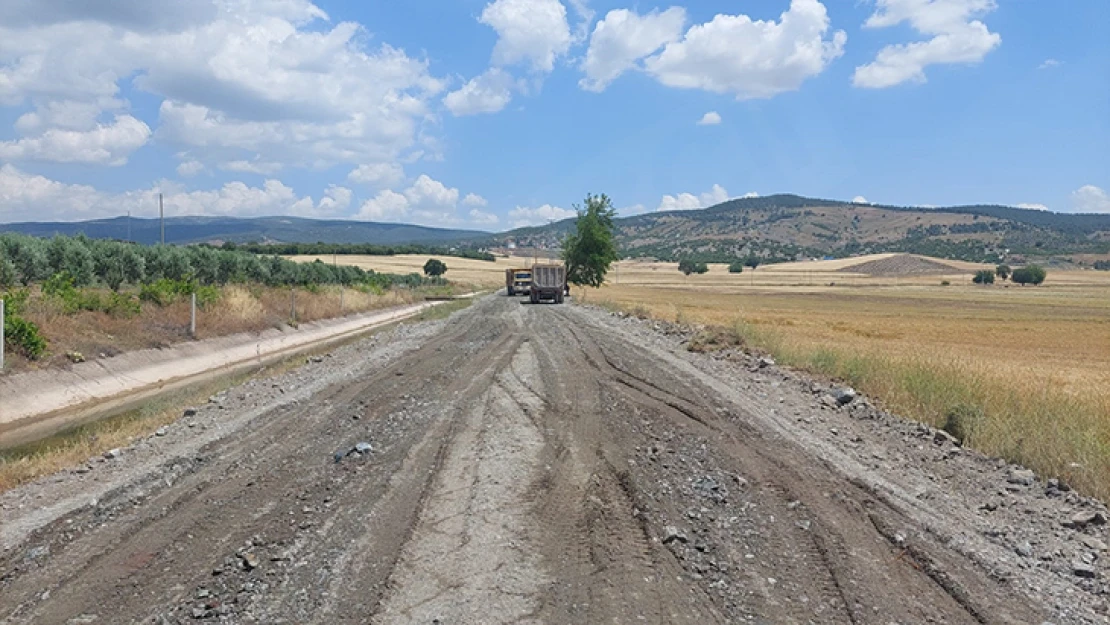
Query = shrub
x=945 y=283
x=1003 y=271
x=751 y=261
x=963 y=421
x=121 y=305
x=736 y=266
x=23 y=337
x=1029 y=274
x=986 y=276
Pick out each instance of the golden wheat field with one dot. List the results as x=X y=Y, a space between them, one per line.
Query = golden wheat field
x=1028 y=366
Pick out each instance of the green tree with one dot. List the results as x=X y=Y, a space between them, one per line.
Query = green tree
x=435 y=267
x=1003 y=271
x=590 y=249
x=117 y=263
x=1029 y=274
x=985 y=276
x=687 y=266
x=751 y=261
x=736 y=266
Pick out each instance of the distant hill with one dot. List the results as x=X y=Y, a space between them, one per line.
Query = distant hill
x=787 y=227
x=261 y=229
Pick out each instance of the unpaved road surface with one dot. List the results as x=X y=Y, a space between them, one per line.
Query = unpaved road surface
x=545 y=464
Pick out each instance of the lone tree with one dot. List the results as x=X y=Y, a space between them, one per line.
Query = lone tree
x=590 y=250
x=1029 y=274
x=751 y=261
x=688 y=267
x=435 y=267
x=1002 y=271
x=736 y=266
x=985 y=276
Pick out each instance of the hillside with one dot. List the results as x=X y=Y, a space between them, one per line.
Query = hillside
x=786 y=227
x=261 y=229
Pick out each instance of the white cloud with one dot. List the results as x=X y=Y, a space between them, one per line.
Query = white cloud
x=190 y=168
x=522 y=216
x=387 y=205
x=1090 y=199
x=751 y=59
x=528 y=31
x=25 y=197
x=380 y=175
x=236 y=78
x=427 y=202
x=623 y=38
x=256 y=166
x=957 y=38
x=712 y=118
x=859 y=199
x=105 y=144
x=749 y=194
x=585 y=18
x=689 y=201
x=482 y=218
x=1035 y=207
x=488 y=93
x=473 y=199
x=1049 y=63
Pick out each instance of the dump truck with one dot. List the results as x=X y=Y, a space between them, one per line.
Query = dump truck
x=549 y=282
x=518 y=281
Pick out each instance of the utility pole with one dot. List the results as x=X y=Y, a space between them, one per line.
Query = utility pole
x=162 y=218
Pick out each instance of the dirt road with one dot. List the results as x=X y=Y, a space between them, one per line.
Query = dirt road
x=548 y=464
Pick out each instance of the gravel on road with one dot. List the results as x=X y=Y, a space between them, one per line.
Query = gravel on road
x=548 y=464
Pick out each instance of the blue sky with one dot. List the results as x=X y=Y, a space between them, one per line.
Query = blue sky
x=497 y=113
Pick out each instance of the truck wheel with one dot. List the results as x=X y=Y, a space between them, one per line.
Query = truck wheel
x=559 y=298
x=510 y=289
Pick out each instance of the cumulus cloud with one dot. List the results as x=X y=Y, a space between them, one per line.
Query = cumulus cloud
x=1034 y=207
x=712 y=118
x=689 y=201
x=622 y=38
x=488 y=93
x=1090 y=199
x=427 y=202
x=859 y=199
x=749 y=194
x=528 y=31
x=956 y=38
x=190 y=168
x=473 y=199
x=522 y=216
x=750 y=58
x=25 y=197
x=236 y=78
x=105 y=144
x=379 y=175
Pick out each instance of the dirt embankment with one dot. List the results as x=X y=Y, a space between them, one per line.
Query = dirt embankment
x=546 y=464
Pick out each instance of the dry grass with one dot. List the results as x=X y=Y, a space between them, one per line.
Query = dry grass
x=78 y=445
x=240 y=308
x=1034 y=361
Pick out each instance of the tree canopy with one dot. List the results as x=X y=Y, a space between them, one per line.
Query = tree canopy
x=590 y=249
x=435 y=267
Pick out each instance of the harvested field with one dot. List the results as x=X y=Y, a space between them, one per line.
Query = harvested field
x=900 y=265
